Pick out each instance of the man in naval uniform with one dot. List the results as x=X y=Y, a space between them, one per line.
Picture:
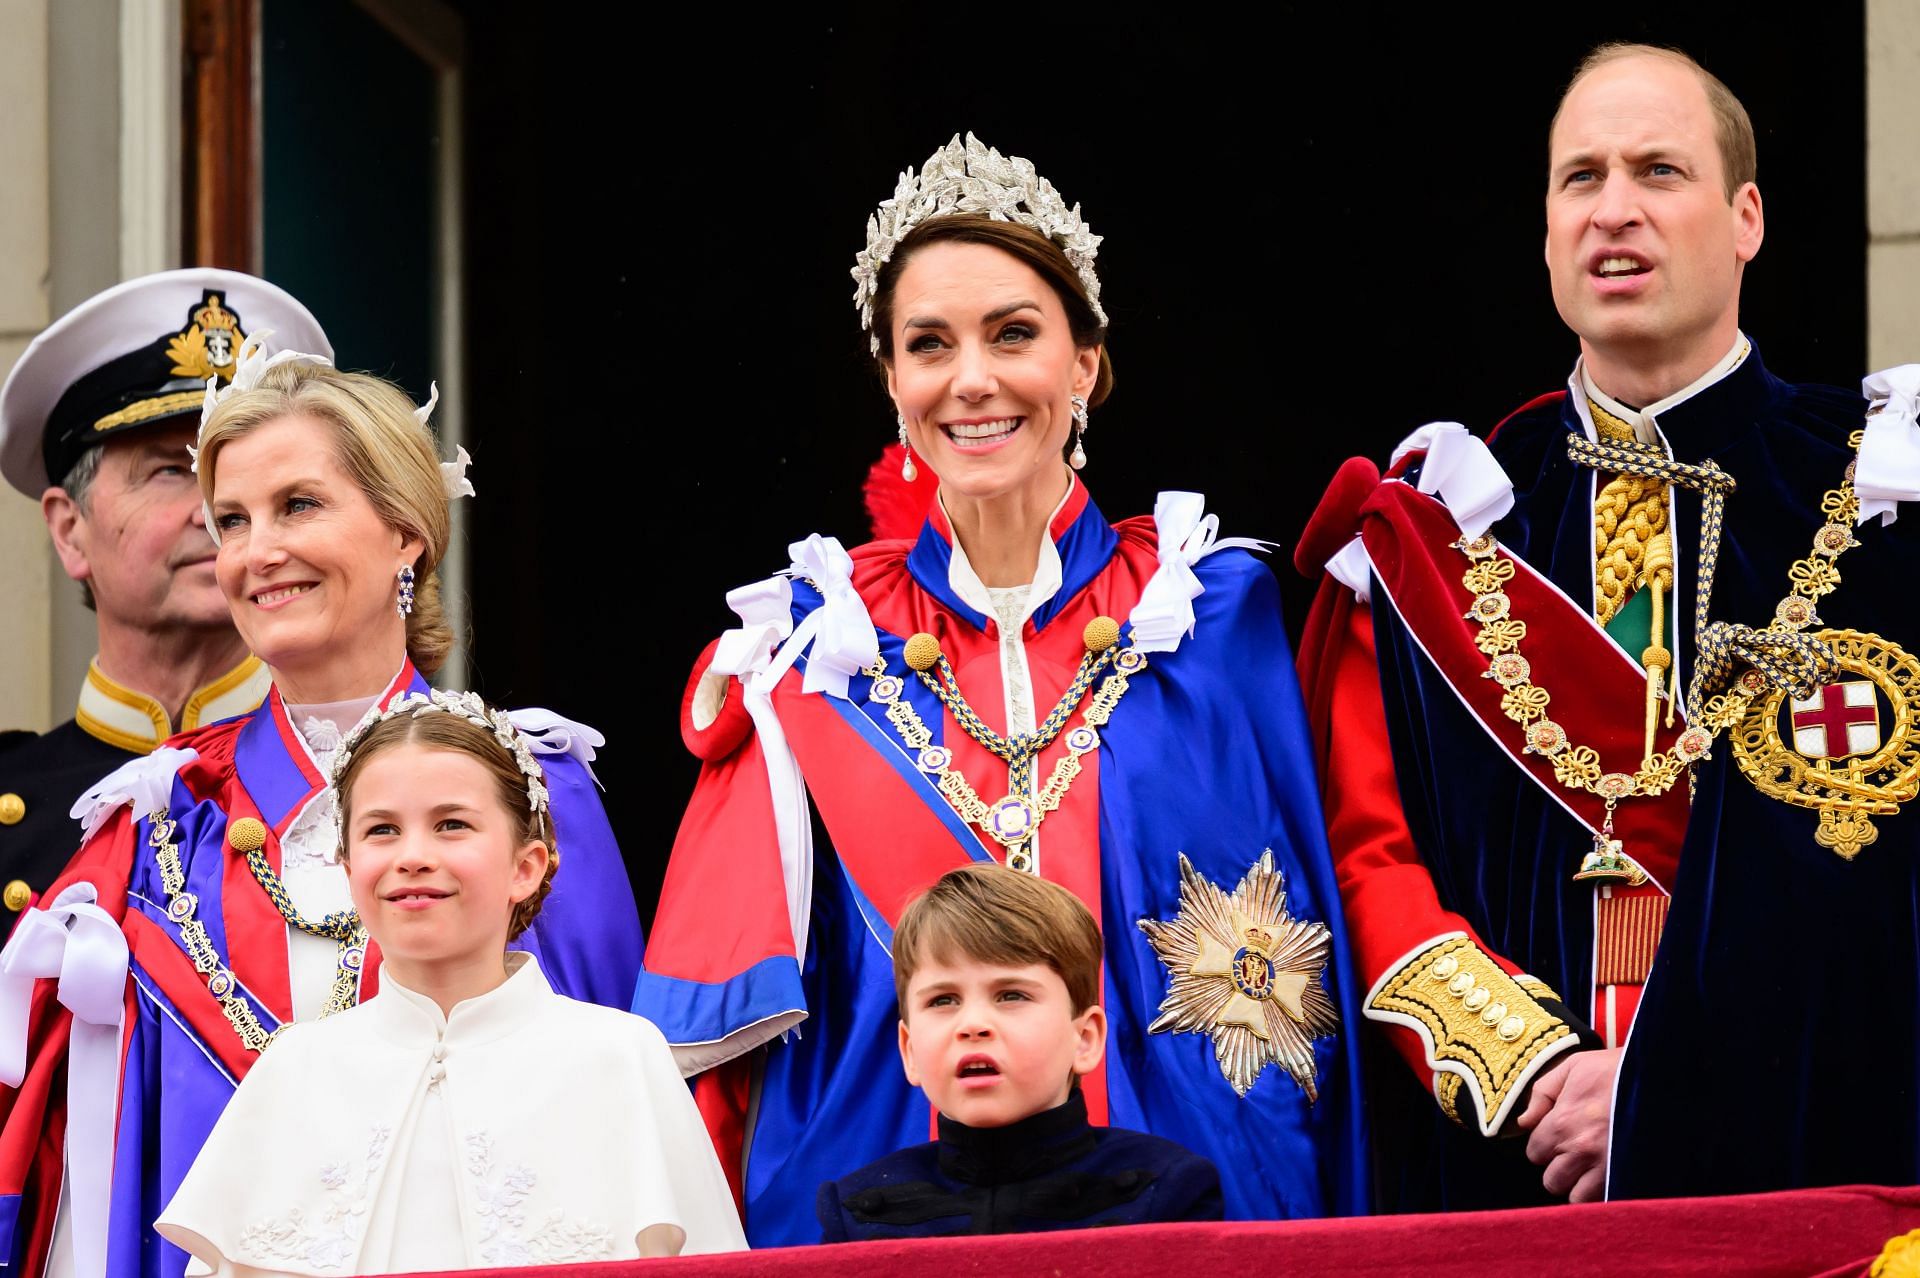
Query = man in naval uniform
x=95 y=422
x=1606 y=739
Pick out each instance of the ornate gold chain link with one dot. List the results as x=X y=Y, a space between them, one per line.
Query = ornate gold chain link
x=183 y=909
x=1578 y=767
x=1013 y=820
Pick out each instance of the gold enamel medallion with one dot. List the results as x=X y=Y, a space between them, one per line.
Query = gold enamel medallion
x=1247 y=974
x=1851 y=751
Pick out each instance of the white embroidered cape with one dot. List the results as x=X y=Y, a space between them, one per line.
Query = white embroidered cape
x=526 y=1128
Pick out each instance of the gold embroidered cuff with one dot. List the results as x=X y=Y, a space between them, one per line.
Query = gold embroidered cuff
x=1483 y=1030
x=1537 y=987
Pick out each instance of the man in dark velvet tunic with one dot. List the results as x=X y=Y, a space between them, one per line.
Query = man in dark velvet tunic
x=998 y=977
x=1538 y=844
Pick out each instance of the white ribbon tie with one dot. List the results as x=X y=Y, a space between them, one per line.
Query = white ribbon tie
x=77 y=943
x=1889 y=469
x=1187 y=534
x=1462 y=471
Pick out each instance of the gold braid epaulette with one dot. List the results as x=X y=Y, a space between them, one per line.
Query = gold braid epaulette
x=1476 y=1016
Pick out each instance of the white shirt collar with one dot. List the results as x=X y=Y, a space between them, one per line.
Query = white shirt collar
x=1646 y=421
x=966 y=582
x=410 y=1017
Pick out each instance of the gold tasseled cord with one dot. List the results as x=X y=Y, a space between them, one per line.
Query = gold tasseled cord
x=1656 y=658
x=1633 y=551
x=1629 y=513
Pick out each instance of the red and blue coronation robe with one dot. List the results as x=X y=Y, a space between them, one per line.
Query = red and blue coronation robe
x=180 y=1057
x=1206 y=755
x=1775 y=1030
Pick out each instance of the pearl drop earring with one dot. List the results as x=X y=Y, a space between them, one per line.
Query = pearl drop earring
x=908 y=471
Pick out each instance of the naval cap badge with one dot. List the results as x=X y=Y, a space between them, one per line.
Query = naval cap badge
x=210 y=342
x=1247 y=974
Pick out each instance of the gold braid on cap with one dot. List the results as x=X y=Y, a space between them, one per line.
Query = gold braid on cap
x=972 y=177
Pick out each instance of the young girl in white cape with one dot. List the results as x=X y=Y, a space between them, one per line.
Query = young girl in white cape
x=467 y=1116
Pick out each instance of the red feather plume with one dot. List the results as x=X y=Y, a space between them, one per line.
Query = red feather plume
x=896 y=508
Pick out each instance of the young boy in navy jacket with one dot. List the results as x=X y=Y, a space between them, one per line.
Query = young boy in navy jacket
x=998 y=977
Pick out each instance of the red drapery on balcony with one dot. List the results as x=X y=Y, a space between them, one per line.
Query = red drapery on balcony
x=1808 y=1232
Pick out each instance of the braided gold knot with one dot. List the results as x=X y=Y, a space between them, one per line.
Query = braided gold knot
x=1659 y=560
x=1101 y=634
x=1787 y=659
x=246 y=835
x=921 y=651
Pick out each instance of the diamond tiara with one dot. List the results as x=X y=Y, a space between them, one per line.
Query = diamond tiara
x=972 y=177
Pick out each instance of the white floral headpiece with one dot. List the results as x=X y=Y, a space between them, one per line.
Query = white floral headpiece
x=972 y=178
x=251 y=363
x=466 y=705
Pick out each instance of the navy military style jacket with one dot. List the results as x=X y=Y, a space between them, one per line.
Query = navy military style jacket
x=1049 y=1171
x=42 y=774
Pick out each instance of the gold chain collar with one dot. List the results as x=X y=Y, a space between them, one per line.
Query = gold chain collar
x=1579 y=767
x=183 y=908
x=1847 y=797
x=1013 y=821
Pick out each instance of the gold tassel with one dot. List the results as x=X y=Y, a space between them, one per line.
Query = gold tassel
x=1656 y=658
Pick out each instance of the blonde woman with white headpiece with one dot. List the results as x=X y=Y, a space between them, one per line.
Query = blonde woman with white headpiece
x=207 y=908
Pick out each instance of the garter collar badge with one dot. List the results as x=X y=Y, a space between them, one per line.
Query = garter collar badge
x=1834 y=750
x=1247 y=974
x=1830 y=752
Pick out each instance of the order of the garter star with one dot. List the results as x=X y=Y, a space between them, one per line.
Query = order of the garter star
x=1247 y=974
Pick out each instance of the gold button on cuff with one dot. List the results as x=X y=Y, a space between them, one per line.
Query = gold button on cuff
x=13 y=809
x=1476 y=998
x=246 y=834
x=1511 y=1028
x=16 y=896
x=1445 y=966
x=1460 y=984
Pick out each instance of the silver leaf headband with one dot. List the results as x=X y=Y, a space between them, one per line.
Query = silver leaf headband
x=972 y=177
x=466 y=705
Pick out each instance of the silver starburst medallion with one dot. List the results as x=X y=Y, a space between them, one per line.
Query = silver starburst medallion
x=1247 y=974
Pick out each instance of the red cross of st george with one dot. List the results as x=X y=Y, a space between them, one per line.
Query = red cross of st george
x=1833 y=718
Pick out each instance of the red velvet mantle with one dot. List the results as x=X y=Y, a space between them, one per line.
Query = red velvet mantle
x=1808 y=1232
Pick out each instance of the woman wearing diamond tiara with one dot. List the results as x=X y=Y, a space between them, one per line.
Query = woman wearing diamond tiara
x=1108 y=706
x=207 y=894
x=467 y=1116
